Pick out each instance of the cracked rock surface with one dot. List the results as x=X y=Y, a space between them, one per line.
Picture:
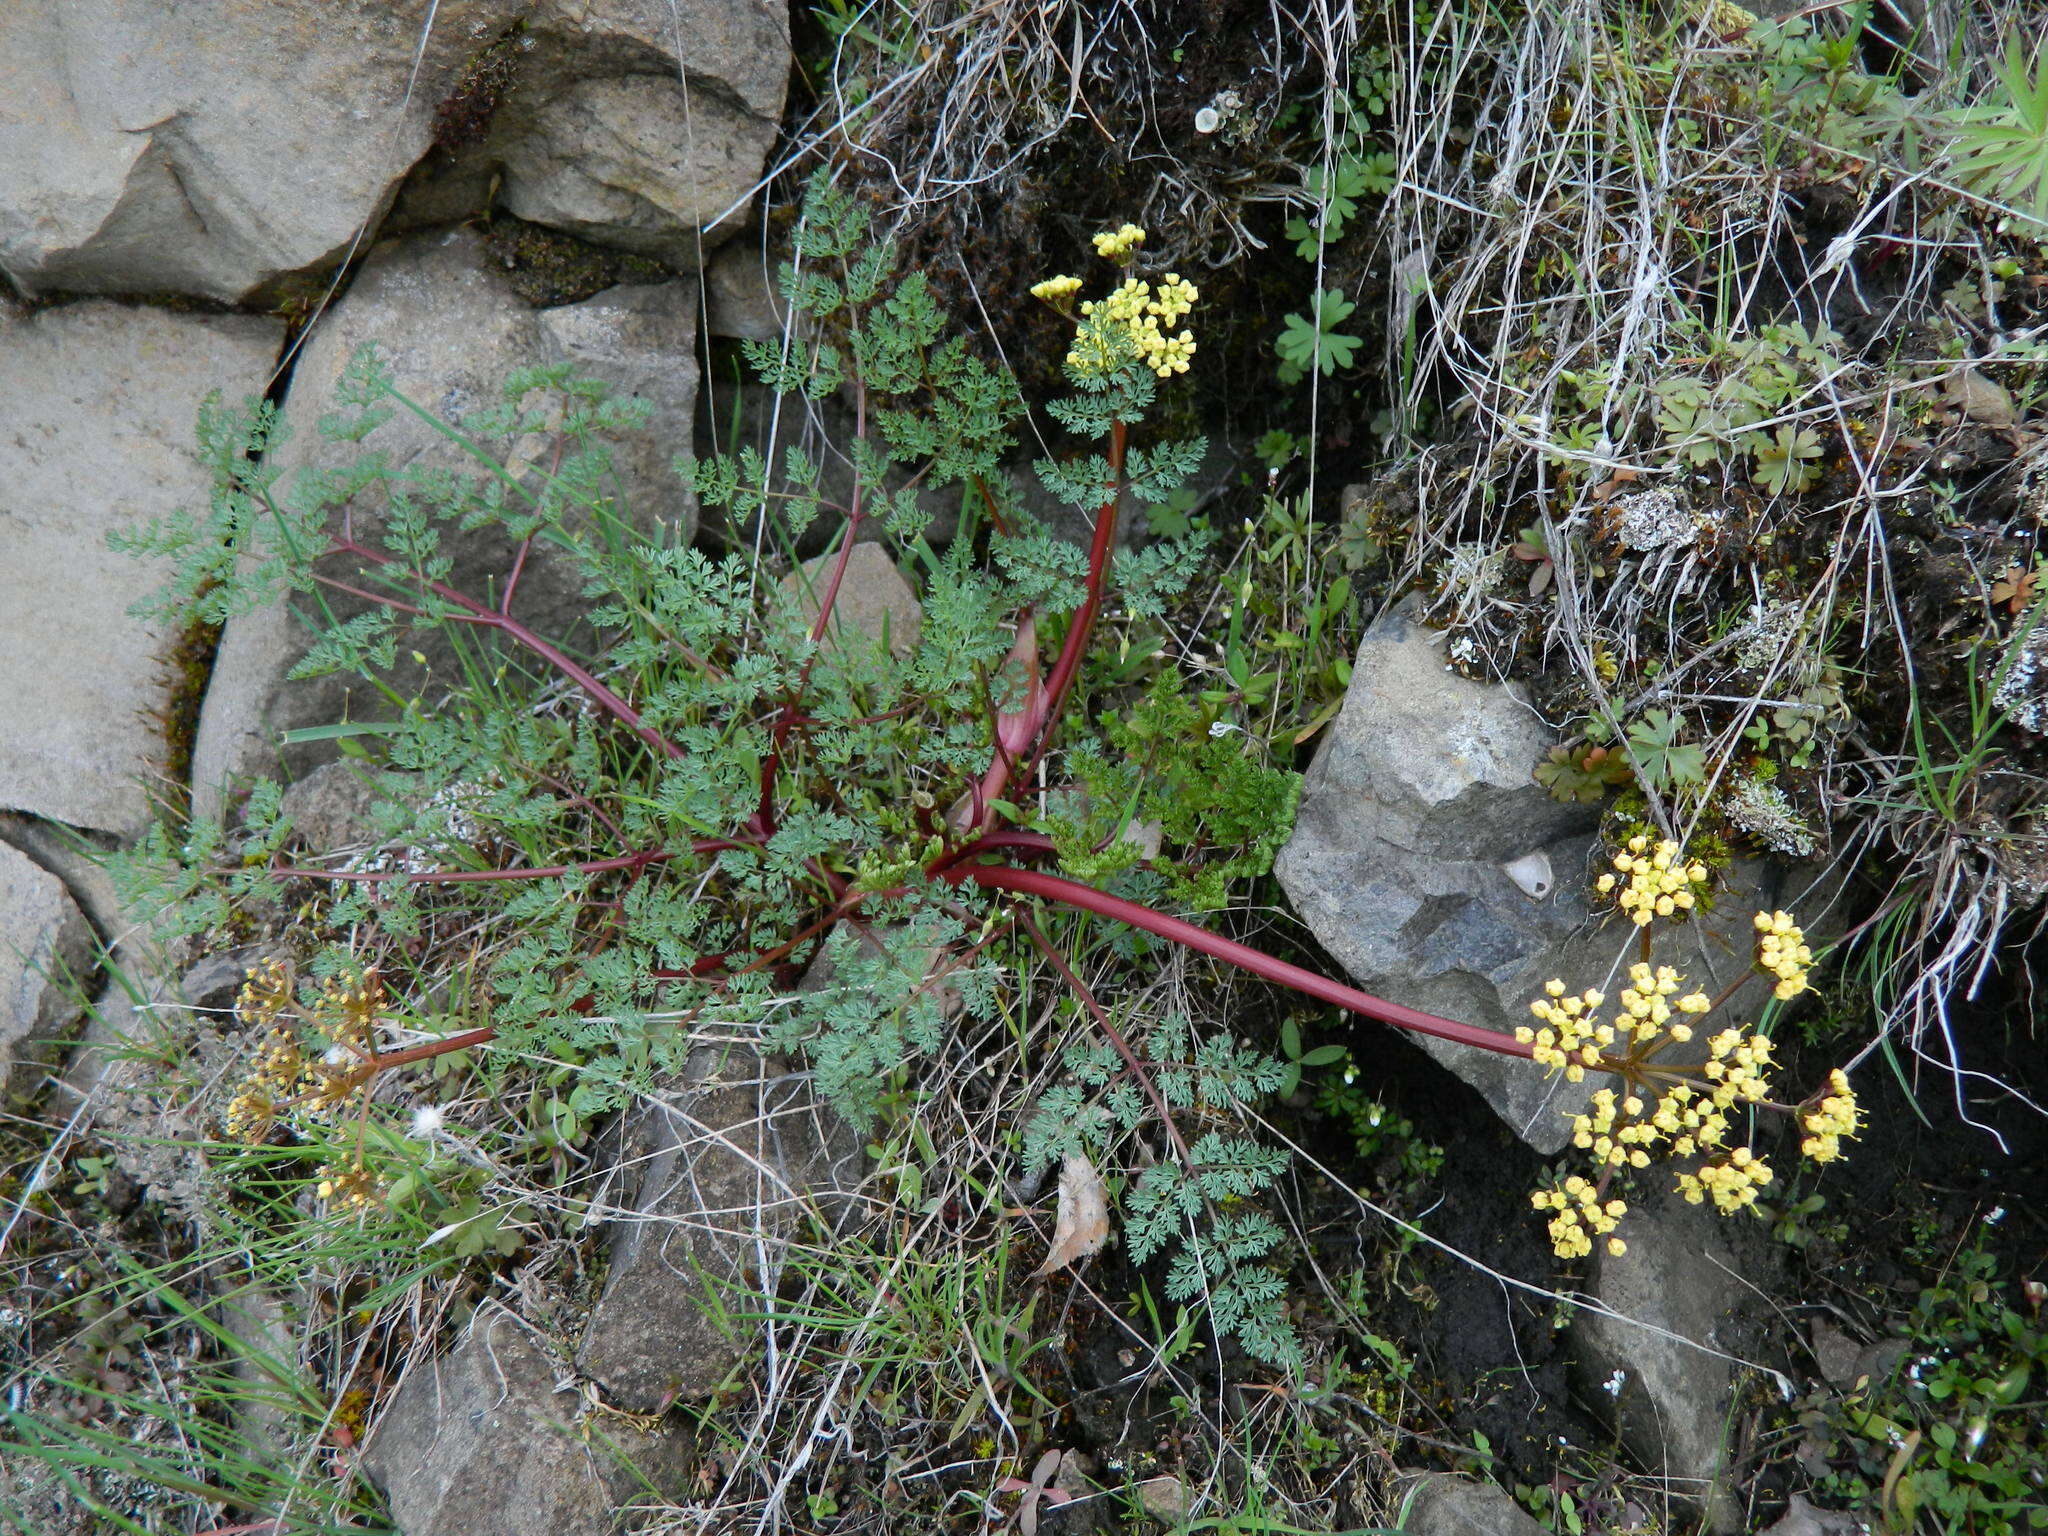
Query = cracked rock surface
x=493 y=1437
x=715 y=1177
x=1435 y=869
x=98 y=401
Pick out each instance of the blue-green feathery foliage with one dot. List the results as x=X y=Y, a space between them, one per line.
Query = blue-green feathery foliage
x=692 y=795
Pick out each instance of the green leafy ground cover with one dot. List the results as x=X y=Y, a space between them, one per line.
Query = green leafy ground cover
x=1687 y=364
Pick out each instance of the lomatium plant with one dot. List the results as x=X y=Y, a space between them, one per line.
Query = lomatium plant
x=1681 y=1088
x=669 y=817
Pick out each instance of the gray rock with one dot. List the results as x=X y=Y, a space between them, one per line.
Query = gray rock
x=1801 y=1518
x=718 y=1172
x=1439 y=1504
x=1168 y=1500
x=212 y=985
x=334 y=806
x=741 y=299
x=1671 y=1402
x=99 y=402
x=128 y=164
x=213 y=147
x=1428 y=861
x=874 y=598
x=637 y=124
x=76 y=858
x=641 y=340
x=451 y=330
x=489 y=1439
x=46 y=966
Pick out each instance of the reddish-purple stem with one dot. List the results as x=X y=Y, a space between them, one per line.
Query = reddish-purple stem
x=581 y=676
x=1071 y=893
x=512 y=581
x=471 y=876
x=1046 y=707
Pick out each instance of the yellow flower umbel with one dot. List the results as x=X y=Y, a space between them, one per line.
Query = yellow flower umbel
x=1660 y=1108
x=1781 y=952
x=1660 y=880
x=351 y=1187
x=1581 y=1216
x=287 y=1075
x=1827 y=1122
x=1117 y=244
x=275 y=1077
x=1132 y=322
x=280 y=1069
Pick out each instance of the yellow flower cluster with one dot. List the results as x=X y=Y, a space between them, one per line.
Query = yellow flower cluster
x=280 y=1070
x=266 y=994
x=1614 y=1131
x=283 y=1075
x=1731 y=1182
x=1781 y=952
x=353 y=1187
x=1735 y=1064
x=1176 y=297
x=1133 y=322
x=1830 y=1120
x=1581 y=1215
x=1660 y=880
x=278 y=1074
x=1574 y=1036
x=1650 y=997
x=1682 y=1110
x=1135 y=315
x=1116 y=244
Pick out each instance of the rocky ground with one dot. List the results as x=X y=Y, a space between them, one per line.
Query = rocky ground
x=723 y=1307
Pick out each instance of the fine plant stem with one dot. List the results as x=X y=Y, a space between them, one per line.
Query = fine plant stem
x=513 y=629
x=470 y=876
x=1115 y=1037
x=764 y=818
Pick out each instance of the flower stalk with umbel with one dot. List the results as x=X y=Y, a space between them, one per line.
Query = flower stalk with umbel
x=1684 y=1109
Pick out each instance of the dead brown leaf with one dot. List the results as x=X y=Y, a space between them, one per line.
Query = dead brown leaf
x=1981 y=398
x=1082 y=1224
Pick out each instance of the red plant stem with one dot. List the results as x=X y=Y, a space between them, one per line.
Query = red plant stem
x=1078 y=633
x=1046 y=711
x=471 y=876
x=764 y=814
x=386 y=600
x=518 y=568
x=477 y=613
x=1071 y=893
x=405 y=1058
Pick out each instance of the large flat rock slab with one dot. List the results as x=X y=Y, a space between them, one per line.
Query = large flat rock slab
x=237 y=149
x=98 y=403
x=451 y=329
x=215 y=146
